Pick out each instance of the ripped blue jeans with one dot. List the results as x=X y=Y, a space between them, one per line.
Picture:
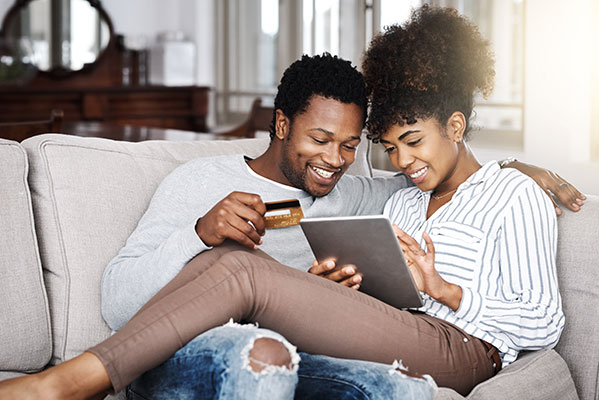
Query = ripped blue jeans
x=215 y=365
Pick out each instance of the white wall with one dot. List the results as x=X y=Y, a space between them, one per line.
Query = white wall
x=149 y=17
x=560 y=46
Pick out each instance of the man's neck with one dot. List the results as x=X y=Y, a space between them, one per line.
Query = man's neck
x=268 y=165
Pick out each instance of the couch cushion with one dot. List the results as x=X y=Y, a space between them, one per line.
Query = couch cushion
x=25 y=342
x=539 y=375
x=88 y=196
x=578 y=274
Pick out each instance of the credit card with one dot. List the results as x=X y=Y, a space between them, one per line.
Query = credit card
x=281 y=214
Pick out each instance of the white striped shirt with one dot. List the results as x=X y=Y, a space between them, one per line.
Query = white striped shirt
x=497 y=240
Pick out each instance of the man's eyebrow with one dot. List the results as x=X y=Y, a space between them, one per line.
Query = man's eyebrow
x=329 y=133
x=401 y=137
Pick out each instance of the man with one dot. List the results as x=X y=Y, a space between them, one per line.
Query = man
x=320 y=113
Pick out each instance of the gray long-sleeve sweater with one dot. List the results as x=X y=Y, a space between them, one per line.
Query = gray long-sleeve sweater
x=165 y=238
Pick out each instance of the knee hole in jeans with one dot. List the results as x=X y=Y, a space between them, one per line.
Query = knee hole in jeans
x=268 y=351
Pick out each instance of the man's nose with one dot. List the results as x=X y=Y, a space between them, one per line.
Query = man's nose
x=333 y=157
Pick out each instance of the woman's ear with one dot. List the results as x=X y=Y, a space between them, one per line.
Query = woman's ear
x=281 y=125
x=456 y=126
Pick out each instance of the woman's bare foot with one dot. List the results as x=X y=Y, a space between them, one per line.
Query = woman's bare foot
x=83 y=377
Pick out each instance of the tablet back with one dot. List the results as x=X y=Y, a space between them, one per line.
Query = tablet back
x=369 y=243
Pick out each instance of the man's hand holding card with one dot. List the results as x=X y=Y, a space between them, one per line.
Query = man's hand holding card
x=239 y=216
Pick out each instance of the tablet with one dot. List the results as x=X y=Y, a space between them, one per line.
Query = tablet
x=370 y=243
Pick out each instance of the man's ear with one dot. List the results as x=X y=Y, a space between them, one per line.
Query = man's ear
x=456 y=126
x=281 y=125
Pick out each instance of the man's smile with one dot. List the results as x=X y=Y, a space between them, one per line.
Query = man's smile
x=326 y=174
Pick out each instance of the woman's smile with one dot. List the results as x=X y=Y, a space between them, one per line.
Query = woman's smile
x=418 y=175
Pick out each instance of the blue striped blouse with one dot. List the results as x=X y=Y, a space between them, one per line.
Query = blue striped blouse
x=497 y=240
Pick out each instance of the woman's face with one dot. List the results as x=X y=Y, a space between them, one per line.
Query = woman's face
x=426 y=152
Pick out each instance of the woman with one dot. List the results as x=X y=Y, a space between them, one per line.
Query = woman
x=488 y=272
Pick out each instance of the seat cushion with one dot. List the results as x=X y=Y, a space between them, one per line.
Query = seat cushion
x=539 y=375
x=25 y=342
x=88 y=196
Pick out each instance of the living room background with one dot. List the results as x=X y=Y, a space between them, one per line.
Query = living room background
x=544 y=110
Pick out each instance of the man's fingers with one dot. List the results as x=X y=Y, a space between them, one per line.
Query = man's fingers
x=341 y=274
x=549 y=194
x=322 y=268
x=248 y=214
x=567 y=194
x=247 y=206
x=353 y=281
x=242 y=239
x=240 y=227
x=249 y=199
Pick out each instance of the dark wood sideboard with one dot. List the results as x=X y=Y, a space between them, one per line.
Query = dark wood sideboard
x=100 y=92
x=184 y=107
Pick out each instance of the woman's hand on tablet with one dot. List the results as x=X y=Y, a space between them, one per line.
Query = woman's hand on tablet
x=422 y=267
x=347 y=275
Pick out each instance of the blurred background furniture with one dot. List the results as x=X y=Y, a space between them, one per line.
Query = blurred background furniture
x=22 y=130
x=106 y=82
x=258 y=120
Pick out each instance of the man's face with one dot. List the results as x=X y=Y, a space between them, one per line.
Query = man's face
x=320 y=144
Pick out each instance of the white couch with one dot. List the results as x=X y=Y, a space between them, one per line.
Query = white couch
x=68 y=205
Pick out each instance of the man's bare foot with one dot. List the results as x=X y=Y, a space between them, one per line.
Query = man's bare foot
x=23 y=388
x=82 y=377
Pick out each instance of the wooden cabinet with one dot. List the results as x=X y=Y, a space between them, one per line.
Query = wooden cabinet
x=184 y=107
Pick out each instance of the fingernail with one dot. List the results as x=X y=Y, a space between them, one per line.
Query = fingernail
x=356 y=287
x=348 y=270
x=357 y=279
x=574 y=205
x=329 y=264
x=579 y=202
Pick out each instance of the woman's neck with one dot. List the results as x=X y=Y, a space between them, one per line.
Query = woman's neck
x=466 y=165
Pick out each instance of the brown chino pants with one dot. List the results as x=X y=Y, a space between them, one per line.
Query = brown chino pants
x=317 y=315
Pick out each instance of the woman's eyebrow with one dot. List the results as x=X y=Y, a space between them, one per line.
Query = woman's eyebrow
x=408 y=133
x=402 y=136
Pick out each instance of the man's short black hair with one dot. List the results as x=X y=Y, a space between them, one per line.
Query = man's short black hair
x=323 y=75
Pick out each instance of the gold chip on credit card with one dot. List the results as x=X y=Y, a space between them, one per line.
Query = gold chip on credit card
x=281 y=214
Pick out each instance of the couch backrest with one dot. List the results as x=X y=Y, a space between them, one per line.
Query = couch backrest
x=578 y=274
x=88 y=195
x=25 y=342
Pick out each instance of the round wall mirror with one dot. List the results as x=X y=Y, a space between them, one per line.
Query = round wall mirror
x=64 y=35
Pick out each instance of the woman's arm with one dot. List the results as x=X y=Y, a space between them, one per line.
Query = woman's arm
x=526 y=305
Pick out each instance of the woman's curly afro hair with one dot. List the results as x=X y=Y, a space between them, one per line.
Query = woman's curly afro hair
x=429 y=67
x=321 y=75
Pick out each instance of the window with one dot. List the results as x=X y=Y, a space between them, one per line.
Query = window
x=501 y=22
x=260 y=38
x=247 y=45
